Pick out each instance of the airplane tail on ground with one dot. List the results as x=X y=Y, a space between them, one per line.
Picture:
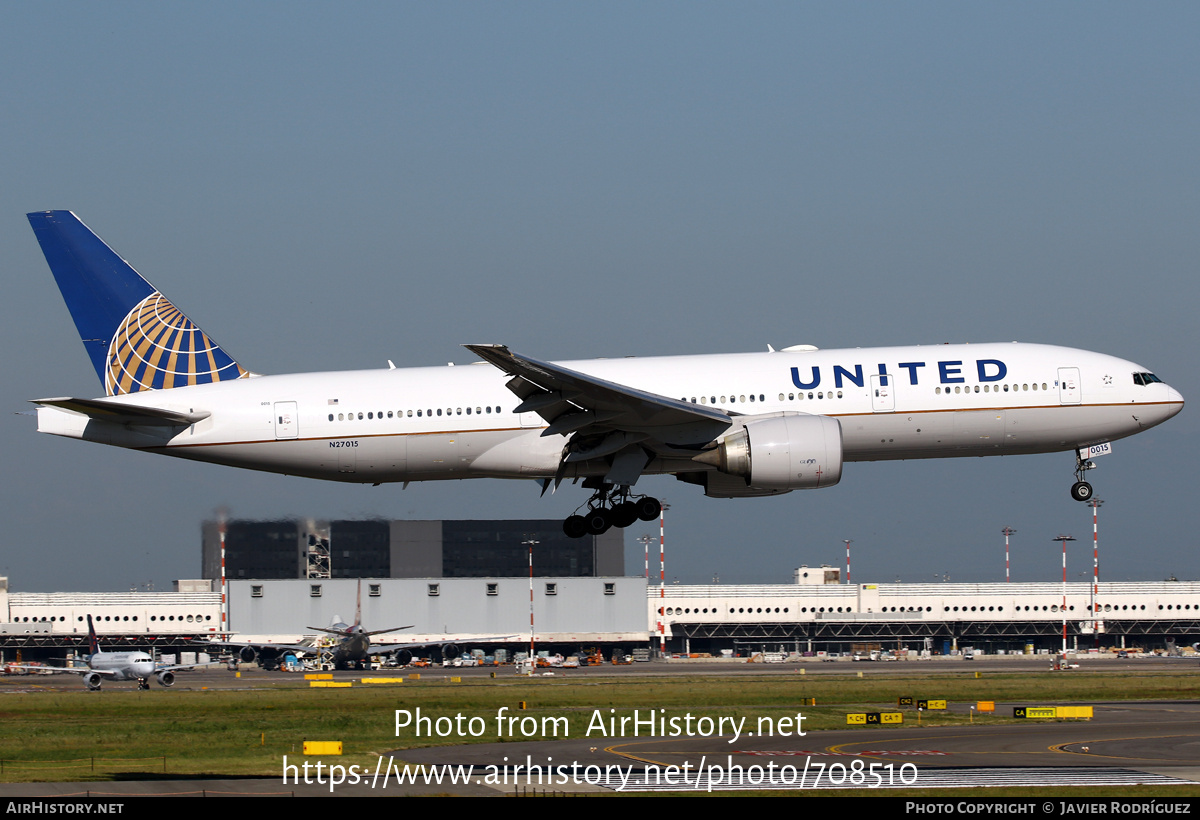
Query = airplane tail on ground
x=136 y=339
x=93 y=641
x=358 y=608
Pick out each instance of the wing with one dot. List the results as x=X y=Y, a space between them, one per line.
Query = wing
x=176 y=666
x=61 y=670
x=385 y=649
x=260 y=646
x=452 y=640
x=603 y=418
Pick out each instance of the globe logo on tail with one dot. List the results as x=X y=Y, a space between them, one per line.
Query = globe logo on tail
x=157 y=347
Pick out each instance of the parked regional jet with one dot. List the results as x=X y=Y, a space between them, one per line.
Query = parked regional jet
x=738 y=425
x=101 y=666
x=353 y=648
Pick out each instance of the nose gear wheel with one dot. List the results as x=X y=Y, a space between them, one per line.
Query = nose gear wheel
x=1081 y=490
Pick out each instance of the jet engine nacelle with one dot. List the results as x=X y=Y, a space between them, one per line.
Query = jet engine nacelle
x=450 y=651
x=247 y=654
x=403 y=657
x=784 y=451
x=93 y=681
x=166 y=678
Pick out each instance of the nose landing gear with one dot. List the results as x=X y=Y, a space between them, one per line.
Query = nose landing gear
x=1081 y=490
x=608 y=507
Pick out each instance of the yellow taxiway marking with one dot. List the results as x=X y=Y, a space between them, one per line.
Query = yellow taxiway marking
x=1061 y=748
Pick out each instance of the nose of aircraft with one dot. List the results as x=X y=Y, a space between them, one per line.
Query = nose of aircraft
x=1175 y=399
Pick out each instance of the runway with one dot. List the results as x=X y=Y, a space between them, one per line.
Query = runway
x=1124 y=744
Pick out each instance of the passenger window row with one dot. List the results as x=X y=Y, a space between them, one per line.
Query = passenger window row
x=743 y=398
x=430 y=413
x=992 y=388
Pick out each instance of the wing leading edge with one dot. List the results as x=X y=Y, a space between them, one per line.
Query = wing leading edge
x=603 y=418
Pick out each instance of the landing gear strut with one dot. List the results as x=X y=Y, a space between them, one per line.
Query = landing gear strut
x=1081 y=490
x=610 y=506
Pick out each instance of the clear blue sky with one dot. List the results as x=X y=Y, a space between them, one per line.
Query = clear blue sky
x=328 y=186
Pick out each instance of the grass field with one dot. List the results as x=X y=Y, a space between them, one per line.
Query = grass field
x=123 y=733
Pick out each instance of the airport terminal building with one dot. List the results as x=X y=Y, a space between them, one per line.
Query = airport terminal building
x=568 y=614
x=471 y=578
x=618 y=612
x=817 y=613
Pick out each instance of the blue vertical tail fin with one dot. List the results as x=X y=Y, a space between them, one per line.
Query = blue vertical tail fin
x=137 y=340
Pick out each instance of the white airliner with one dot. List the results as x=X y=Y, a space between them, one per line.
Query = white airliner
x=738 y=425
x=119 y=666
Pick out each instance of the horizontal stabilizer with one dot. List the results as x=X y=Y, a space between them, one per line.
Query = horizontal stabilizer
x=347 y=632
x=120 y=413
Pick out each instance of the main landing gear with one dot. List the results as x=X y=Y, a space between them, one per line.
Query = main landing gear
x=1081 y=490
x=609 y=507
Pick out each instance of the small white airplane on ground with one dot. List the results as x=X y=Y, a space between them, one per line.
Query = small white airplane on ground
x=118 y=666
x=738 y=425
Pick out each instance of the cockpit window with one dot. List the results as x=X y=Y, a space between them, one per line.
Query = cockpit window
x=1145 y=378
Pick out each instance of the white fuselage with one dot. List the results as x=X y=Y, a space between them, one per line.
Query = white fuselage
x=123 y=665
x=352 y=646
x=417 y=424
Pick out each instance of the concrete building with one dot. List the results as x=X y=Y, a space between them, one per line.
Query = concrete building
x=164 y=621
x=377 y=548
x=831 y=616
x=569 y=613
x=813 y=613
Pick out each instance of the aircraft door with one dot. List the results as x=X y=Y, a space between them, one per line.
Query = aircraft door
x=286 y=420
x=882 y=398
x=1068 y=385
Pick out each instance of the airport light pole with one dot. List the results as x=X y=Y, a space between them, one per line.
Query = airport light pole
x=645 y=542
x=847 y=542
x=1064 y=539
x=1095 y=504
x=662 y=576
x=1007 y=532
x=224 y=582
x=530 y=542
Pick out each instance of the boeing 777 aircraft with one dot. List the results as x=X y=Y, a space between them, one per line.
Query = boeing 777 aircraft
x=738 y=425
x=101 y=665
